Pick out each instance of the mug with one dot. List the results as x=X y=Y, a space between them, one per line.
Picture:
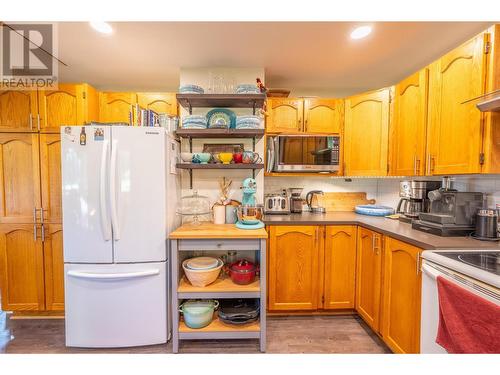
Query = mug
x=238 y=157
x=250 y=157
x=225 y=157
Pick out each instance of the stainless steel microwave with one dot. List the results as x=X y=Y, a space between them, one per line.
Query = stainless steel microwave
x=303 y=153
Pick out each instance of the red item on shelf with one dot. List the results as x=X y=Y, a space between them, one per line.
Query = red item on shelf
x=467 y=322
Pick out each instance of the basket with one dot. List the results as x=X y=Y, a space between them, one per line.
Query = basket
x=202 y=278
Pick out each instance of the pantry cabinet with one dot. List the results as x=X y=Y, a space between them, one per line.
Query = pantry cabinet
x=50 y=177
x=366 y=134
x=53 y=267
x=455 y=126
x=294 y=261
x=21 y=267
x=401 y=296
x=408 y=130
x=340 y=267
x=323 y=115
x=18 y=111
x=19 y=177
x=369 y=276
x=70 y=104
x=160 y=102
x=284 y=115
x=116 y=106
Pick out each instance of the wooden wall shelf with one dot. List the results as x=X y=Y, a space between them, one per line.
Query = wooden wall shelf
x=190 y=101
x=219 y=166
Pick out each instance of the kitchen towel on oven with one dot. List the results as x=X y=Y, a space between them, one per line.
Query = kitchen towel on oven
x=467 y=322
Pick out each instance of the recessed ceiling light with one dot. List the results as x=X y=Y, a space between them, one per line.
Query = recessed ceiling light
x=361 y=32
x=102 y=27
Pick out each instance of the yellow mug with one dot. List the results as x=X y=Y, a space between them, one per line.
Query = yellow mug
x=225 y=157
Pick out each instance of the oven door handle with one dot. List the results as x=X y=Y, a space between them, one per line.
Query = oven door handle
x=430 y=271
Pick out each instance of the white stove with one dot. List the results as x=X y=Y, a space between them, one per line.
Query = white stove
x=473 y=270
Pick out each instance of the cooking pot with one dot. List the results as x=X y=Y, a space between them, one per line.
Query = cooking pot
x=242 y=272
x=198 y=314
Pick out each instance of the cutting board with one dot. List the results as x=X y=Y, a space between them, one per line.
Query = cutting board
x=342 y=201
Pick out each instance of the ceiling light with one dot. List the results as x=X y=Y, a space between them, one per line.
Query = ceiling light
x=361 y=32
x=102 y=27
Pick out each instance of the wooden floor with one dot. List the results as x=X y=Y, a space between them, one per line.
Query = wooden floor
x=294 y=334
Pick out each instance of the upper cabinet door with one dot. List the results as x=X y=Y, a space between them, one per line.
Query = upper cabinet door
x=366 y=134
x=454 y=133
x=18 y=111
x=158 y=102
x=64 y=106
x=50 y=177
x=19 y=177
x=323 y=115
x=401 y=306
x=21 y=268
x=294 y=253
x=284 y=115
x=116 y=106
x=368 y=276
x=409 y=126
x=340 y=266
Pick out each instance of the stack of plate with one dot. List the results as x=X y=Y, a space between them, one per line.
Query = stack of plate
x=246 y=88
x=194 y=122
x=191 y=89
x=248 y=122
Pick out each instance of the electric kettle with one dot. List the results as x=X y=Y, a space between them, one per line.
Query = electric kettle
x=309 y=200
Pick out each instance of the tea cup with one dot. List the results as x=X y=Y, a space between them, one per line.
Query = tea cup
x=225 y=157
x=250 y=157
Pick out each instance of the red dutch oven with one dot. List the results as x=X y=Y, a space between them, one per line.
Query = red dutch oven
x=242 y=272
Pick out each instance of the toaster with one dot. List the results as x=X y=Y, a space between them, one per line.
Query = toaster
x=278 y=204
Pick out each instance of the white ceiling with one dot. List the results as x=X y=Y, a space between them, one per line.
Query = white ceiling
x=311 y=58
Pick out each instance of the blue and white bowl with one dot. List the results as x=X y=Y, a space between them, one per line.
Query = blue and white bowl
x=191 y=89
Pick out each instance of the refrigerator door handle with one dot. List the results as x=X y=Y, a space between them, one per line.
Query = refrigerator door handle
x=113 y=276
x=112 y=188
x=105 y=223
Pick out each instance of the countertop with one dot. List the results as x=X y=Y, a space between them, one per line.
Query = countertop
x=206 y=230
x=394 y=228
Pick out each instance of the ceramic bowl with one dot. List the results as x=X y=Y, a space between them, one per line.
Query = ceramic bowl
x=225 y=157
x=187 y=157
x=202 y=157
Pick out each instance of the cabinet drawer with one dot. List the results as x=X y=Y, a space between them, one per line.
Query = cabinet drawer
x=218 y=244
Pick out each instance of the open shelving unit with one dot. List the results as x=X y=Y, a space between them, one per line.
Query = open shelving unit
x=222 y=288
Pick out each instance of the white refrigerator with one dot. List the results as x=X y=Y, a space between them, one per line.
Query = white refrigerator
x=120 y=189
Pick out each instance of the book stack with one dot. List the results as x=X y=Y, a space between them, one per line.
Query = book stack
x=143 y=117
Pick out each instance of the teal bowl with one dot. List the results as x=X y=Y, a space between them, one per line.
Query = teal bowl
x=203 y=157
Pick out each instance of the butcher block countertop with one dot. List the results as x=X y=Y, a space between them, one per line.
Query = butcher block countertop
x=208 y=230
x=393 y=228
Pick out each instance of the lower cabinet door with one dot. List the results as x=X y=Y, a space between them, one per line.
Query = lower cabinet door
x=116 y=305
x=21 y=268
x=54 y=267
x=294 y=259
x=340 y=267
x=368 y=277
x=401 y=297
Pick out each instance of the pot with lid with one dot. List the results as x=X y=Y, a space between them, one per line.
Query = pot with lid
x=242 y=272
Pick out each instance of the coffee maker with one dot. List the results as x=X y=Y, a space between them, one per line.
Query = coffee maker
x=414 y=198
x=451 y=212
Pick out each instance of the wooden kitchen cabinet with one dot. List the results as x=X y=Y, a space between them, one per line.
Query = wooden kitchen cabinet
x=284 y=115
x=19 y=177
x=70 y=104
x=21 y=268
x=369 y=276
x=50 y=177
x=408 y=130
x=401 y=296
x=294 y=265
x=455 y=128
x=18 y=111
x=323 y=115
x=366 y=134
x=340 y=267
x=160 y=102
x=116 y=106
x=53 y=267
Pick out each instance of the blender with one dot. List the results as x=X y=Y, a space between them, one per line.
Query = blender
x=249 y=213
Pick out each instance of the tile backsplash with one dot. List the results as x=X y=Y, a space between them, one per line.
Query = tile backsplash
x=384 y=190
